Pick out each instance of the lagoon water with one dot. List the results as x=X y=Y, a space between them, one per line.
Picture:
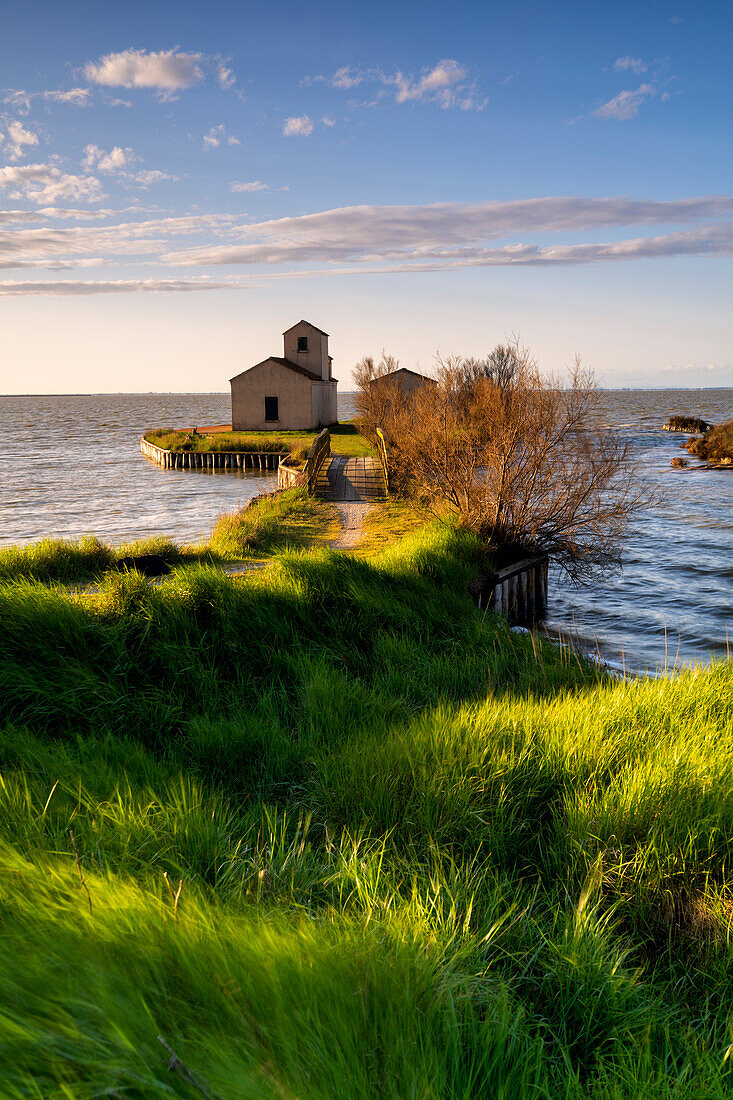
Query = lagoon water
x=72 y=466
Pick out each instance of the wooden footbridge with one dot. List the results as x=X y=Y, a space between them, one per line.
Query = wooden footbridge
x=342 y=478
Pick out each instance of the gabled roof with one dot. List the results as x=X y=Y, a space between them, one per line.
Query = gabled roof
x=403 y=370
x=302 y=322
x=283 y=363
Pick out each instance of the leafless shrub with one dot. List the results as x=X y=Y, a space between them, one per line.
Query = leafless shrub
x=517 y=457
x=380 y=400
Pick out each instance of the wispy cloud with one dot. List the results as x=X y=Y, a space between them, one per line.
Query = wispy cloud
x=374 y=233
x=626 y=104
x=217 y=136
x=70 y=288
x=369 y=239
x=446 y=84
x=298 y=126
x=345 y=78
x=76 y=97
x=251 y=185
x=21 y=100
x=630 y=64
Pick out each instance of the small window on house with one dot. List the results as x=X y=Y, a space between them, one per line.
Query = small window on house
x=271 y=408
x=302 y=343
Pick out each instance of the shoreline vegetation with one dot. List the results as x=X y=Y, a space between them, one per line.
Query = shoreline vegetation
x=329 y=830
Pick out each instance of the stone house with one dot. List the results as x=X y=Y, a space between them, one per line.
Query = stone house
x=295 y=391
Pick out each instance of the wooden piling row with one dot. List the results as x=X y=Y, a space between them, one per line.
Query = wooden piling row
x=520 y=591
x=211 y=460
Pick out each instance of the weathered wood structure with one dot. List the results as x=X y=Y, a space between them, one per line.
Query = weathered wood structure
x=211 y=460
x=289 y=476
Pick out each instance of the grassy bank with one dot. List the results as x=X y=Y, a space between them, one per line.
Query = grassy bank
x=345 y=439
x=291 y=519
x=418 y=855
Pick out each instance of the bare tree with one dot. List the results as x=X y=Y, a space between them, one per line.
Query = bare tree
x=518 y=458
x=380 y=400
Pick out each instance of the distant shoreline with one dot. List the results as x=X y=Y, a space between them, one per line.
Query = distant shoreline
x=225 y=393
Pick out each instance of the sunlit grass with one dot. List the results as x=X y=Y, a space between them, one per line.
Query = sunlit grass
x=418 y=855
x=345 y=439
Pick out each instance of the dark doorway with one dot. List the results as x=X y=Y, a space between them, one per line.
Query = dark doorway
x=271 y=408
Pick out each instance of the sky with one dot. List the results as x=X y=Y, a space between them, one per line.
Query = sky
x=180 y=182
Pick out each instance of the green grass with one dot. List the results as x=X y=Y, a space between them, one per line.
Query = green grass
x=420 y=856
x=291 y=519
x=387 y=522
x=345 y=439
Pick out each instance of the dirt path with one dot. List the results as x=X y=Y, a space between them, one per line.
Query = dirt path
x=351 y=517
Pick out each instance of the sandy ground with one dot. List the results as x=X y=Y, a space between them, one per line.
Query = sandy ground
x=351 y=517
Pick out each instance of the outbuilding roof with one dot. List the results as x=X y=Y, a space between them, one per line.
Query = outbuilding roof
x=403 y=370
x=283 y=363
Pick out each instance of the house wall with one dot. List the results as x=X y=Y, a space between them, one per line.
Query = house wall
x=325 y=409
x=316 y=357
x=270 y=379
x=407 y=382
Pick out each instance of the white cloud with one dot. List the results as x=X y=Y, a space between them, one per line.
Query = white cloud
x=114 y=161
x=344 y=78
x=328 y=120
x=375 y=234
x=217 y=135
x=166 y=70
x=151 y=175
x=630 y=64
x=43 y=212
x=626 y=104
x=21 y=100
x=298 y=126
x=70 y=288
x=46 y=183
x=252 y=185
x=17 y=137
x=368 y=239
x=225 y=76
x=126 y=238
x=445 y=84
x=439 y=80
x=76 y=97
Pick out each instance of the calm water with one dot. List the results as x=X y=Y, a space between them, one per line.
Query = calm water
x=72 y=465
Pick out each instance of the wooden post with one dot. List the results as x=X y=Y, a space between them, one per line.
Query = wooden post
x=530 y=594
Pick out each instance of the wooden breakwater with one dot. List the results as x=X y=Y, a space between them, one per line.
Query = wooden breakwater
x=518 y=591
x=289 y=476
x=211 y=460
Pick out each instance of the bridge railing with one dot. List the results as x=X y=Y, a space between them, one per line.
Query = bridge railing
x=289 y=476
x=382 y=451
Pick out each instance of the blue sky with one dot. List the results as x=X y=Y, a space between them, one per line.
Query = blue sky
x=180 y=182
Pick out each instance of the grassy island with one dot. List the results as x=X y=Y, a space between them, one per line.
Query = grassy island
x=345 y=439
x=330 y=831
x=716 y=445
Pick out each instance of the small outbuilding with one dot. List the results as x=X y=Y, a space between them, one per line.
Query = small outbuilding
x=295 y=391
x=408 y=380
